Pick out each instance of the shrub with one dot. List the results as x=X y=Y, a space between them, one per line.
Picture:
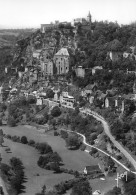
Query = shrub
x=93 y=151
x=24 y=140
x=15 y=138
x=31 y=142
x=119 y=157
x=47 y=160
x=44 y=148
x=56 y=133
x=82 y=147
x=8 y=136
x=55 y=112
x=64 y=134
x=72 y=141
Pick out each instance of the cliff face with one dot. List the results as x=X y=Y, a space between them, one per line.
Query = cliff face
x=32 y=53
x=55 y=39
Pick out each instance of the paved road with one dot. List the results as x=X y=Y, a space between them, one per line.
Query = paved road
x=107 y=131
x=84 y=141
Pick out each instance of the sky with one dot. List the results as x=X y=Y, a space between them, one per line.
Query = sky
x=32 y=13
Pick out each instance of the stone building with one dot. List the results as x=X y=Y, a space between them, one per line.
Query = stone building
x=51 y=26
x=80 y=71
x=115 y=55
x=49 y=68
x=61 y=60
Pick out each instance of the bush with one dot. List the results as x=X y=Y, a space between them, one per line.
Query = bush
x=73 y=142
x=15 y=138
x=56 y=133
x=24 y=140
x=119 y=157
x=82 y=147
x=93 y=151
x=31 y=142
x=8 y=136
x=64 y=134
x=47 y=160
x=44 y=148
x=55 y=112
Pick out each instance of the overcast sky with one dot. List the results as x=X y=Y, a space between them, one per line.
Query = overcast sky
x=32 y=13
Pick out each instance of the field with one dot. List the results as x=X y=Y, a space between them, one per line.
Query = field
x=76 y=160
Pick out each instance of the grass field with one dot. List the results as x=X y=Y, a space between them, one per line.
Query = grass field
x=29 y=157
x=76 y=160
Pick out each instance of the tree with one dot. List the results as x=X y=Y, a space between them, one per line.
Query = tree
x=110 y=163
x=114 y=191
x=16 y=163
x=55 y=158
x=11 y=122
x=72 y=141
x=44 y=148
x=24 y=140
x=55 y=167
x=93 y=151
x=55 y=112
x=81 y=188
x=43 y=189
x=49 y=93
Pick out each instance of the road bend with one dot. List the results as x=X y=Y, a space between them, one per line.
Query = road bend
x=108 y=133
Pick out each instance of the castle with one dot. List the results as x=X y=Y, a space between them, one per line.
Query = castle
x=86 y=23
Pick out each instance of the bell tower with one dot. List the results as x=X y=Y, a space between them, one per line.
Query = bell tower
x=89 y=18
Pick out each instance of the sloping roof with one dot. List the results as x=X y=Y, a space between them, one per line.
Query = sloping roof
x=129 y=96
x=92 y=168
x=90 y=86
x=97 y=192
x=97 y=67
x=63 y=52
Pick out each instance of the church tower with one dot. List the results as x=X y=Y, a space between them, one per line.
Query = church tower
x=89 y=18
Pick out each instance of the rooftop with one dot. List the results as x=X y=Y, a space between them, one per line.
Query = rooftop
x=63 y=52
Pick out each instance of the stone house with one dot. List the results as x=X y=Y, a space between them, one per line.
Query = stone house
x=48 y=68
x=37 y=53
x=51 y=26
x=80 y=71
x=115 y=55
x=97 y=192
x=56 y=91
x=115 y=102
x=66 y=99
x=94 y=169
x=39 y=101
x=61 y=60
x=94 y=69
x=89 y=89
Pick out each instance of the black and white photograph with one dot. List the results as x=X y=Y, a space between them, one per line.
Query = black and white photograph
x=67 y=97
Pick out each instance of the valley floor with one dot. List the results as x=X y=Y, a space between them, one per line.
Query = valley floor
x=76 y=160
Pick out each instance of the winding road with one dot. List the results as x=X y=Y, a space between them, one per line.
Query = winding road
x=107 y=131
